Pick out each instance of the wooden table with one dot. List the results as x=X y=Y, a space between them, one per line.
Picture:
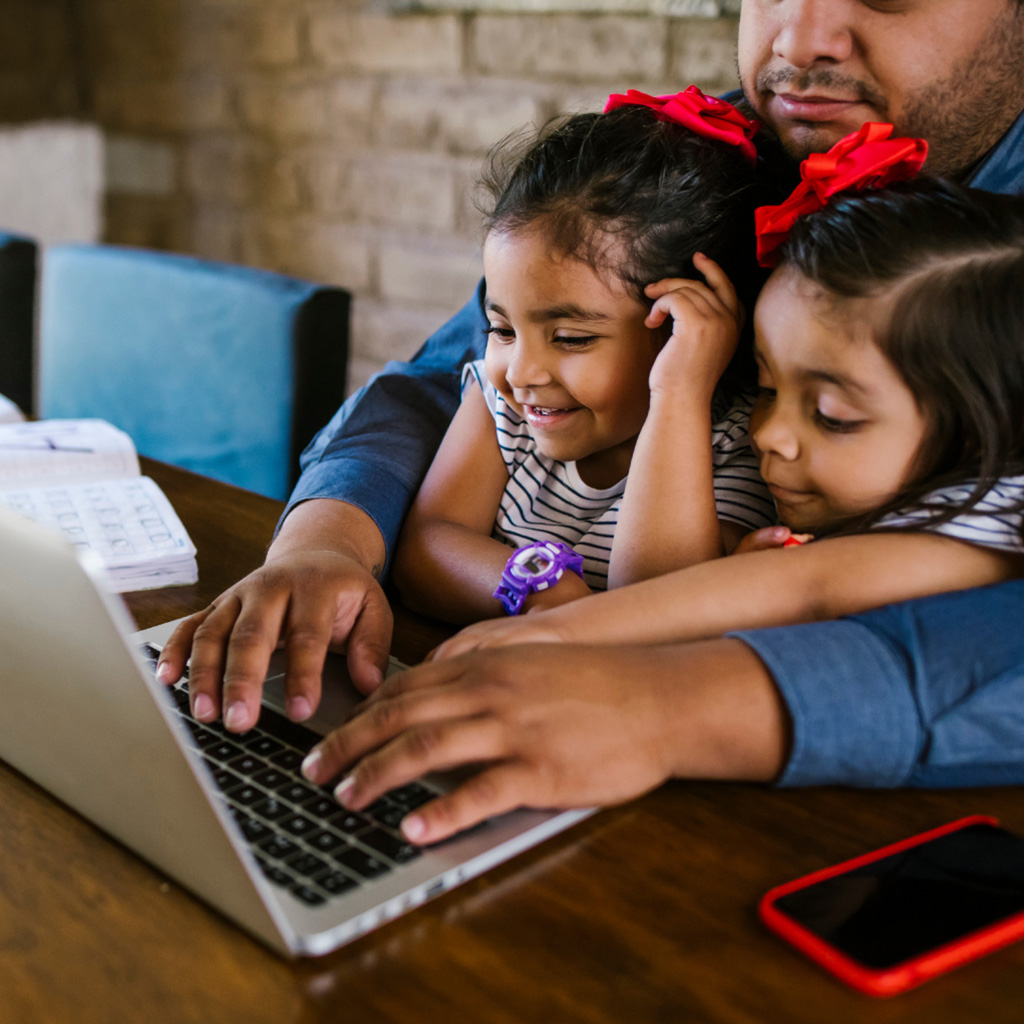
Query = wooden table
x=642 y=913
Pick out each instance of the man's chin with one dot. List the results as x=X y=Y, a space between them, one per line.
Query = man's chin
x=800 y=139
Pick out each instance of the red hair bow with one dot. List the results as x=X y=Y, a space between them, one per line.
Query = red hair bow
x=867 y=158
x=707 y=116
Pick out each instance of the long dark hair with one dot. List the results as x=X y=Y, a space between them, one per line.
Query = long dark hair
x=655 y=187
x=951 y=262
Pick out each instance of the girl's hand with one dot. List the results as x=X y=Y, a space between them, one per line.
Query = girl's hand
x=527 y=629
x=771 y=537
x=706 y=320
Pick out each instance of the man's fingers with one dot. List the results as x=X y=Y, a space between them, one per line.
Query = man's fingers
x=235 y=658
x=171 y=663
x=369 y=642
x=419 y=750
x=493 y=791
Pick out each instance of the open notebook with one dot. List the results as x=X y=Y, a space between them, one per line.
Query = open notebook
x=227 y=816
x=82 y=479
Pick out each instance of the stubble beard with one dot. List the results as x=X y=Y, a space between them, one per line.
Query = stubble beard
x=962 y=116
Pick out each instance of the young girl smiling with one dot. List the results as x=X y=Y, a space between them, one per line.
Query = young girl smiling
x=599 y=323
x=888 y=424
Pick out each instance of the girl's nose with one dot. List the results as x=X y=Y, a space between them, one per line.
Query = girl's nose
x=528 y=365
x=772 y=433
x=808 y=31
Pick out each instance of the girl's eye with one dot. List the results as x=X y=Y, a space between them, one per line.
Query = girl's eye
x=835 y=426
x=575 y=340
x=500 y=333
x=766 y=394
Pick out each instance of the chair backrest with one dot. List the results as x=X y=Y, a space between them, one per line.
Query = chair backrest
x=18 y=257
x=224 y=370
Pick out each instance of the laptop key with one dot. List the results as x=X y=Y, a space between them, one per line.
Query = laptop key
x=255 y=831
x=223 y=751
x=262 y=745
x=390 y=846
x=225 y=780
x=277 y=876
x=336 y=883
x=271 y=778
x=247 y=795
x=296 y=792
x=307 y=865
x=351 y=823
x=247 y=764
x=278 y=846
x=362 y=863
x=323 y=807
x=387 y=813
x=298 y=825
x=412 y=795
x=287 y=759
x=326 y=842
x=271 y=809
x=308 y=896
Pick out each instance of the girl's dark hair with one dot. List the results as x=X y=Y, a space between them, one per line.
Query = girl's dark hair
x=657 y=188
x=950 y=261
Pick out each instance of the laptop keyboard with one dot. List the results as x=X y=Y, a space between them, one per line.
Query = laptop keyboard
x=302 y=838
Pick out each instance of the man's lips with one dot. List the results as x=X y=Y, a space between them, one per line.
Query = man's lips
x=790 y=106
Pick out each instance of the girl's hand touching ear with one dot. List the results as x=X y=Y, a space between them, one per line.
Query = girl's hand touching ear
x=706 y=321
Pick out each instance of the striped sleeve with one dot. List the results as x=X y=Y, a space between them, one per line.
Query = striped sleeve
x=994 y=522
x=741 y=496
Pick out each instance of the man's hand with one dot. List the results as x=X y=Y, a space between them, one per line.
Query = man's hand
x=313 y=593
x=557 y=726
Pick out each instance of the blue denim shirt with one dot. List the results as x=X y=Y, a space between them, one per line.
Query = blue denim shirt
x=929 y=692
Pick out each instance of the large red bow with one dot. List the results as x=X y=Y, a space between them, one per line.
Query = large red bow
x=867 y=158
x=707 y=116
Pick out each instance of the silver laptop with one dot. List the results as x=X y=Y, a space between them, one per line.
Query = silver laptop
x=84 y=718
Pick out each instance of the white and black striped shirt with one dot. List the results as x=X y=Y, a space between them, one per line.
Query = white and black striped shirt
x=547 y=500
x=995 y=522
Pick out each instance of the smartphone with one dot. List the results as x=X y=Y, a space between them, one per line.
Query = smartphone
x=891 y=919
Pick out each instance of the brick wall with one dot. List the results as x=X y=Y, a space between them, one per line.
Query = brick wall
x=325 y=139
x=41 y=75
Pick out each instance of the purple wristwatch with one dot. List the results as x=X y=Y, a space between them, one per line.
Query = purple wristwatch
x=532 y=568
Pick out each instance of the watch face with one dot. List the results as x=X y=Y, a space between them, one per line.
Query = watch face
x=537 y=564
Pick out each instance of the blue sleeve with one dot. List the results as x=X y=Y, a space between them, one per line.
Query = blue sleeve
x=377 y=448
x=924 y=693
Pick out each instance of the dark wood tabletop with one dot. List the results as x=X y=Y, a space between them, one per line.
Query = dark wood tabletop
x=643 y=913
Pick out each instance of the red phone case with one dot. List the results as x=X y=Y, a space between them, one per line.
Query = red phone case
x=891 y=980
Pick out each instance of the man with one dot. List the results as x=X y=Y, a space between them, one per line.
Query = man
x=879 y=699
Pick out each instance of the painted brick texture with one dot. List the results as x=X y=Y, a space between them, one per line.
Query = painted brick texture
x=327 y=138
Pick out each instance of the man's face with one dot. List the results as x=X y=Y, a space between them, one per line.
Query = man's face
x=949 y=71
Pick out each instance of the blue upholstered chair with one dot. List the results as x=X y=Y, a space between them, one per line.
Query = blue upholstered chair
x=224 y=370
x=17 y=318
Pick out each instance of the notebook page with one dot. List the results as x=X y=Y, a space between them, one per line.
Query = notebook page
x=129 y=523
x=69 y=451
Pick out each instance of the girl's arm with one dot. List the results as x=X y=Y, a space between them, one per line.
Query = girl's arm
x=823 y=580
x=668 y=518
x=447 y=564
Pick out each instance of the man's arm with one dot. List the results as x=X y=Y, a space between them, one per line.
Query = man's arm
x=558 y=726
x=881 y=699
x=320 y=578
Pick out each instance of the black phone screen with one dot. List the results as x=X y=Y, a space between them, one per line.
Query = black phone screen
x=896 y=908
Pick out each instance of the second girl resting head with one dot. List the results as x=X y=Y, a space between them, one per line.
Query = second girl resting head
x=601 y=231
x=889 y=422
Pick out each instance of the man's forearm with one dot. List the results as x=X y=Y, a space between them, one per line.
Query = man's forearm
x=725 y=716
x=328 y=525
